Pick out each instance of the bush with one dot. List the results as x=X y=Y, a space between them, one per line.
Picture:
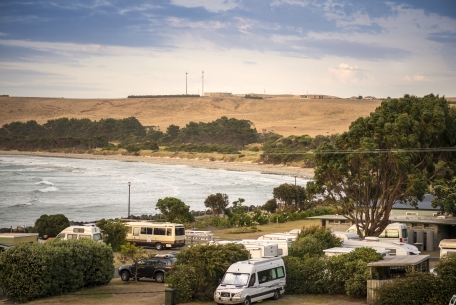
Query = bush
x=31 y=271
x=114 y=233
x=305 y=275
x=199 y=269
x=50 y=225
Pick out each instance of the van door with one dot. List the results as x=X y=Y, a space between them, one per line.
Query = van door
x=135 y=232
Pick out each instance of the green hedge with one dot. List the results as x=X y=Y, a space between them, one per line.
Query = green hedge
x=31 y=271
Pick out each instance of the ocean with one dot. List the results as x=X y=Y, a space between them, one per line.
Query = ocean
x=89 y=190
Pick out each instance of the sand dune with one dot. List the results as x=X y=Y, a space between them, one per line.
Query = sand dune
x=283 y=115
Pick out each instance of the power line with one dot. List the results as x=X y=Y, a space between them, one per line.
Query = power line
x=375 y=151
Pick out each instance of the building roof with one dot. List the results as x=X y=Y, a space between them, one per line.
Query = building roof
x=400 y=260
x=425 y=204
x=329 y=217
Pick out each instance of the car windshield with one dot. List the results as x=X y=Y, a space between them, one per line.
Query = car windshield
x=238 y=279
x=97 y=237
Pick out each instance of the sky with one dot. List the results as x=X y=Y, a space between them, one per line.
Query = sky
x=116 y=48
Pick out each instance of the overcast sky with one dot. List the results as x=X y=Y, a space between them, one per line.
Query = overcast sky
x=107 y=48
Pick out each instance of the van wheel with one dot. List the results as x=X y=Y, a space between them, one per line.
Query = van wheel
x=125 y=276
x=276 y=295
x=158 y=246
x=247 y=301
x=160 y=277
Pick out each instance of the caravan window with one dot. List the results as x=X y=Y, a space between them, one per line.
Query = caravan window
x=72 y=236
x=159 y=231
x=180 y=231
x=391 y=233
x=78 y=230
x=147 y=231
x=238 y=279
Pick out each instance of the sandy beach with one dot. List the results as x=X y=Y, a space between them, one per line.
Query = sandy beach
x=233 y=166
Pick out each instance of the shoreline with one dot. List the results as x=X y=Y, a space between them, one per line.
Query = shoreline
x=306 y=173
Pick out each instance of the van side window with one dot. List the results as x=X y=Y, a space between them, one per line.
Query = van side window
x=84 y=236
x=72 y=236
x=169 y=232
x=273 y=274
x=78 y=230
x=263 y=276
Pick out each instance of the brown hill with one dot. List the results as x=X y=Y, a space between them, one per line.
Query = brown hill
x=283 y=115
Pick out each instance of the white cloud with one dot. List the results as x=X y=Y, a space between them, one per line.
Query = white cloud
x=417 y=77
x=345 y=73
x=210 y=5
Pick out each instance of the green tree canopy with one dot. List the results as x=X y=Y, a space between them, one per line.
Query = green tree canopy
x=114 y=233
x=385 y=158
x=50 y=225
x=290 y=195
x=174 y=210
x=217 y=202
x=311 y=241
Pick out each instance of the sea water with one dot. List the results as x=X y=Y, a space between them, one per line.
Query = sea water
x=89 y=190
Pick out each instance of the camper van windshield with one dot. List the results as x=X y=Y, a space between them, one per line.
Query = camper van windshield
x=97 y=237
x=238 y=279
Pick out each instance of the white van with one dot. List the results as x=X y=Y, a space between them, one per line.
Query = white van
x=252 y=280
x=87 y=231
x=393 y=232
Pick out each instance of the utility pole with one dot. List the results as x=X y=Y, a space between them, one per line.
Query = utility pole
x=186 y=83
x=202 y=91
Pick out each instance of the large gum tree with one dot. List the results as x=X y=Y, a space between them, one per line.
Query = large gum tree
x=393 y=155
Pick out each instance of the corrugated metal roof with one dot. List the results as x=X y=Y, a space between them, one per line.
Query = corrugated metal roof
x=400 y=260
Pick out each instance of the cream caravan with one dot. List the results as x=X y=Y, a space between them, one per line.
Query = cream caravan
x=88 y=231
x=156 y=234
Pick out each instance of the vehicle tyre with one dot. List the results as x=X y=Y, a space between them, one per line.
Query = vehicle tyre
x=125 y=276
x=247 y=301
x=158 y=246
x=160 y=277
x=276 y=295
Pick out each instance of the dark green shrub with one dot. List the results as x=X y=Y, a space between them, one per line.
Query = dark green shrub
x=31 y=271
x=50 y=225
x=305 y=275
x=114 y=233
x=199 y=269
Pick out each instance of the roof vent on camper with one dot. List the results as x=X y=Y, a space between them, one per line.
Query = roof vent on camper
x=372 y=238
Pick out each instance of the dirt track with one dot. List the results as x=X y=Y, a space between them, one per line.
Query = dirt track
x=286 y=116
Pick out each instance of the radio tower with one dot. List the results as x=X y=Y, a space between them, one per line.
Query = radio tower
x=202 y=91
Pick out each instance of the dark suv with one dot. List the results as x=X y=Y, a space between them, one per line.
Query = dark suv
x=154 y=268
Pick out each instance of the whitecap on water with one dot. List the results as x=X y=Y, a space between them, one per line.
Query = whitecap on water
x=49 y=189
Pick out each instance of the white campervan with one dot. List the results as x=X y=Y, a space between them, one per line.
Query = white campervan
x=252 y=280
x=393 y=232
x=87 y=231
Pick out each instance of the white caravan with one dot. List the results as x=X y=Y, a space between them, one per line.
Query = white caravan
x=279 y=236
x=346 y=235
x=251 y=281
x=393 y=232
x=87 y=231
x=256 y=250
x=395 y=248
x=447 y=247
x=339 y=250
x=283 y=245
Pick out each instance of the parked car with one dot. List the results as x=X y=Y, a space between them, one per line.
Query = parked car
x=154 y=268
x=453 y=300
